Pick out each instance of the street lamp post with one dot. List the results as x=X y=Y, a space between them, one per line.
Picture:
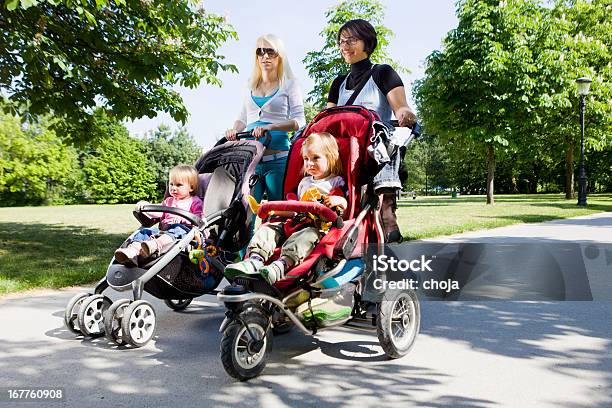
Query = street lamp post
x=583 y=90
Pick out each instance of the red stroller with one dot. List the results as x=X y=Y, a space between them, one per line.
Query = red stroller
x=325 y=289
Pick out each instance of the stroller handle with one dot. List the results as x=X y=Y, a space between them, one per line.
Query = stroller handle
x=267 y=138
x=416 y=129
x=326 y=213
x=192 y=218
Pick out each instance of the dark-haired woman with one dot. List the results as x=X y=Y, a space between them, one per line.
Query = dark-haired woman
x=384 y=93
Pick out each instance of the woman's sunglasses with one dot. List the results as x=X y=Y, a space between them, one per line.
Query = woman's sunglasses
x=263 y=51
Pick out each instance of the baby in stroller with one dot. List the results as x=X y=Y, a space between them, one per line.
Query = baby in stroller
x=183 y=188
x=322 y=167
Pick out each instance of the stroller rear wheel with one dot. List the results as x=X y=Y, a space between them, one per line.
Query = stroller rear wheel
x=177 y=304
x=138 y=323
x=398 y=322
x=243 y=356
x=91 y=315
x=72 y=310
x=112 y=321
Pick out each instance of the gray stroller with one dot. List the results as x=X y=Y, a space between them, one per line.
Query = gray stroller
x=227 y=174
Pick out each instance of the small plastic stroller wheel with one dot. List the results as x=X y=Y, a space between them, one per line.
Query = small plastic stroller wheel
x=91 y=315
x=138 y=323
x=178 y=304
x=112 y=321
x=398 y=322
x=72 y=310
x=244 y=357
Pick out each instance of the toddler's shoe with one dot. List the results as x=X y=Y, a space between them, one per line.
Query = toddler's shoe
x=127 y=256
x=249 y=266
x=273 y=272
x=149 y=248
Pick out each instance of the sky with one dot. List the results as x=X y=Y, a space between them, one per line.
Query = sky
x=419 y=28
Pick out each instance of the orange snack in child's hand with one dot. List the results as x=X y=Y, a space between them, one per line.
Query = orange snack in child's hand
x=312 y=194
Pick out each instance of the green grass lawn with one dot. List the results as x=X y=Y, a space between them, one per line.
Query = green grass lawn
x=434 y=216
x=52 y=247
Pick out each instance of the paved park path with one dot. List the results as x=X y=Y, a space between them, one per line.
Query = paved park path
x=469 y=354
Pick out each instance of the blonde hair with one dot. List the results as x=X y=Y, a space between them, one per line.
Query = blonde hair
x=185 y=173
x=284 y=71
x=327 y=145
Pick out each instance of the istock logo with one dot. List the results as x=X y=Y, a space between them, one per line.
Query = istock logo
x=383 y=263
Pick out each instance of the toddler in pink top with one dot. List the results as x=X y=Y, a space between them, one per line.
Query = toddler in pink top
x=183 y=188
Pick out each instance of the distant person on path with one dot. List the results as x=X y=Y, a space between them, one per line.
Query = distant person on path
x=382 y=90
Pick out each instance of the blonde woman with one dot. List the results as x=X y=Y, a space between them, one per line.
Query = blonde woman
x=273 y=101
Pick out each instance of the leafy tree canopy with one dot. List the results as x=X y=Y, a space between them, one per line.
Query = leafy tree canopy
x=69 y=56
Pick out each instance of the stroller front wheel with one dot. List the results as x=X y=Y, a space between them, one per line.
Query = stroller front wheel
x=112 y=321
x=243 y=356
x=72 y=310
x=138 y=323
x=398 y=322
x=91 y=315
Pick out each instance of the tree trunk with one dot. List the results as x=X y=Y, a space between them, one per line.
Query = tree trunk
x=490 y=174
x=569 y=171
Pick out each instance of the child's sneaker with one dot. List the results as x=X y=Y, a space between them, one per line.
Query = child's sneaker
x=127 y=256
x=273 y=272
x=249 y=266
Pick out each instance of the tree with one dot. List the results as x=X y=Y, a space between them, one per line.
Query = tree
x=327 y=63
x=478 y=88
x=68 y=56
x=165 y=150
x=115 y=166
x=35 y=166
x=506 y=80
x=577 y=41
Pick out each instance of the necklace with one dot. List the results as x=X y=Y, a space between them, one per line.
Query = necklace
x=266 y=90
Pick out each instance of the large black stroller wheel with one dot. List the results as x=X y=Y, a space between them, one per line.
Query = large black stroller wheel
x=242 y=356
x=398 y=322
x=112 y=321
x=91 y=315
x=138 y=323
x=177 y=304
x=72 y=310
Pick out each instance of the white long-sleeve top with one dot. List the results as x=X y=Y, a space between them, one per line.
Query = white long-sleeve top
x=285 y=105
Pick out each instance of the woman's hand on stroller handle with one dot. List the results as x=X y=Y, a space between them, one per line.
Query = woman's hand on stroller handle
x=416 y=127
x=233 y=135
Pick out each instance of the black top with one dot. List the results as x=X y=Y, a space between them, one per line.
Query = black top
x=384 y=77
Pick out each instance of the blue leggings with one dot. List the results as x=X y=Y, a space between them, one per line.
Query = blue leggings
x=271 y=175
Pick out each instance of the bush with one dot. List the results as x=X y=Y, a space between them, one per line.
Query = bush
x=35 y=166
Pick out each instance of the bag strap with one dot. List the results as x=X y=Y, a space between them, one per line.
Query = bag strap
x=357 y=90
